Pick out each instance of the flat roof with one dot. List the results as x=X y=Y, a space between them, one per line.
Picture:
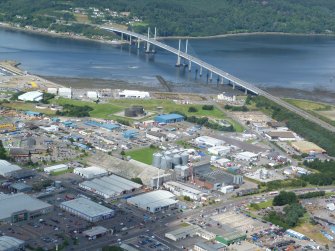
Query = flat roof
x=6 y=167
x=11 y=203
x=281 y=134
x=91 y=170
x=183 y=231
x=94 y=231
x=30 y=95
x=111 y=185
x=9 y=243
x=87 y=207
x=158 y=198
x=184 y=187
x=56 y=167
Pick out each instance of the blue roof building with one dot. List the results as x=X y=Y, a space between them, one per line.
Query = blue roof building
x=33 y=114
x=130 y=134
x=169 y=118
x=102 y=125
x=54 y=119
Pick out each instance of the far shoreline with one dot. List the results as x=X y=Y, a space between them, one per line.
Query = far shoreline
x=119 y=42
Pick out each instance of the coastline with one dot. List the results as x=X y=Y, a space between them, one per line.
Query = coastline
x=119 y=42
x=282 y=92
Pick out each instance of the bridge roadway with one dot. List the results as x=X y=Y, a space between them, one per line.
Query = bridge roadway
x=227 y=76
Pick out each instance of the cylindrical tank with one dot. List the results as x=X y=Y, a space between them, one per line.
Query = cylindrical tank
x=156 y=159
x=176 y=159
x=166 y=162
x=138 y=109
x=167 y=153
x=129 y=112
x=184 y=158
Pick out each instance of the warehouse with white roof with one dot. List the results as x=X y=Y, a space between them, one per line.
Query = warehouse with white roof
x=8 y=243
x=110 y=186
x=133 y=94
x=19 y=207
x=31 y=96
x=219 y=150
x=90 y=172
x=209 y=141
x=7 y=169
x=180 y=189
x=154 y=201
x=56 y=168
x=87 y=209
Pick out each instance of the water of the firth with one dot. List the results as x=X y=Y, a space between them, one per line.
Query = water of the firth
x=301 y=62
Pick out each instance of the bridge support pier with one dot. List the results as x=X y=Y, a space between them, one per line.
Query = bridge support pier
x=122 y=37
x=211 y=76
x=189 y=65
x=130 y=40
x=148 y=44
x=138 y=43
x=246 y=91
x=221 y=80
x=200 y=74
x=178 y=56
x=234 y=86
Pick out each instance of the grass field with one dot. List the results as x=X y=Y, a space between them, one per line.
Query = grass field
x=28 y=107
x=309 y=105
x=108 y=110
x=310 y=230
x=262 y=205
x=143 y=155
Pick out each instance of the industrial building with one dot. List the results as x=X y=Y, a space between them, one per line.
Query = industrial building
x=130 y=134
x=180 y=189
x=34 y=96
x=307 y=147
x=214 y=180
x=87 y=209
x=246 y=156
x=65 y=92
x=56 y=168
x=7 y=169
x=154 y=201
x=20 y=207
x=231 y=238
x=90 y=172
x=107 y=126
x=8 y=243
x=95 y=232
x=133 y=94
x=92 y=95
x=210 y=246
x=280 y=136
x=110 y=186
x=33 y=114
x=183 y=232
x=169 y=118
x=208 y=141
x=156 y=136
x=219 y=150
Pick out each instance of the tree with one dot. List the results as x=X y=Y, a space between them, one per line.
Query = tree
x=187 y=198
x=137 y=180
x=192 y=109
x=3 y=153
x=284 y=198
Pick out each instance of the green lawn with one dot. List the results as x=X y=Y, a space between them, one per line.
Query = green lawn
x=262 y=205
x=143 y=155
x=27 y=107
x=107 y=110
x=309 y=105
